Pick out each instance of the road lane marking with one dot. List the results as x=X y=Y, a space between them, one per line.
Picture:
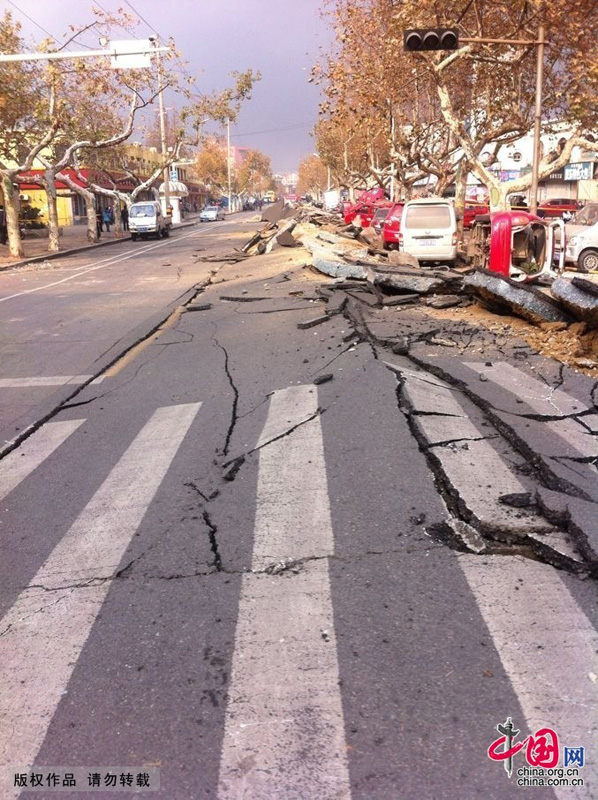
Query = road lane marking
x=548 y=649
x=284 y=729
x=543 y=399
x=50 y=380
x=108 y=262
x=42 y=635
x=19 y=463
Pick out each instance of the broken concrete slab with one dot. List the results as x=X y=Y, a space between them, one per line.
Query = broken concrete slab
x=445 y=301
x=339 y=269
x=586 y=284
x=198 y=307
x=564 y=437
x=405 y=279
x=478 y=475
x=336 y=303
x=311 y=323
x=273 y=212
x=286 y=239
x=575 y=297
x=579 y=516
x=402 y=259
x=401 y=299
x=520 y=299
x=442 y=429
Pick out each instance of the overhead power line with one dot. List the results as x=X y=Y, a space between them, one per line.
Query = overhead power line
x=37 y=25
x=134 y=10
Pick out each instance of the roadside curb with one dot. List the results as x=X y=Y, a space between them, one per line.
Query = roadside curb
x=74 y=250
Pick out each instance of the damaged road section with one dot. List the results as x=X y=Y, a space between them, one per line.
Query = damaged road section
x=487 y=485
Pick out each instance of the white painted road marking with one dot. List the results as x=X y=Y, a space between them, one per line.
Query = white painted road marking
x=543 y=399
x=42 y=635
x=49 y=380
x=107 y=262
x=548 y=649
x=19 y=463
x=284 y=732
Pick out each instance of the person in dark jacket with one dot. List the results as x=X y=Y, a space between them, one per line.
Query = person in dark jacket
x=3 y=227
x=124 y=216
x=99 y=222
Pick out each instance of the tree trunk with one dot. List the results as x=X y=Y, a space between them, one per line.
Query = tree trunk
x=11 y=206
x=118 y=223
x=49 y=184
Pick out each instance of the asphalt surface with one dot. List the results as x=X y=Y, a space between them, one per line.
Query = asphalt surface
x=220 y=570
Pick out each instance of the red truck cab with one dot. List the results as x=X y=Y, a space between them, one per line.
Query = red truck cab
x=518 y=245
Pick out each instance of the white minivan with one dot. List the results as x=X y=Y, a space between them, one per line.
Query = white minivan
x=429 y=229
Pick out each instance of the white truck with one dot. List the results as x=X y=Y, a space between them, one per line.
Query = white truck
x=146 y=219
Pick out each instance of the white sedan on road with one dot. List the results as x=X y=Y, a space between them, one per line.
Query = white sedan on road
x=211 y=214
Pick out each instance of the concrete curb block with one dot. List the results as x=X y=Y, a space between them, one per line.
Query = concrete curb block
x=74 y=250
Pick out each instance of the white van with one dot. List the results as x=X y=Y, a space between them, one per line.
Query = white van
x=429 y=229
x=582 y=239
x=146 y=219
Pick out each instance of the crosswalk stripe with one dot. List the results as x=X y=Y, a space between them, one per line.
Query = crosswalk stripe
x=19 y=463
x=43 y=633
x=541 y=398
x=49 y=380
x=284 y=731
x=548 y=648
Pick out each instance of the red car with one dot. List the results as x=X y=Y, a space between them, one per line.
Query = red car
x=391 y=227
x=473 y=210
x=559 y=207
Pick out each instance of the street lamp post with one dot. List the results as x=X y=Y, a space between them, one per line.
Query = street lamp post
x=228 y=170
x=163 y=145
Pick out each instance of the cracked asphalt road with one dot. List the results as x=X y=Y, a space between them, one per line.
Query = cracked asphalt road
x=270 y=588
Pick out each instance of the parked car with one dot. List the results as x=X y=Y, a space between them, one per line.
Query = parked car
x=559 y=207
x=380 y=215
x=429 y=229
x=472 y=211
x=518 y=245
x=147 y=219
x=211 y=214
x=391 y=227
x=582 y=239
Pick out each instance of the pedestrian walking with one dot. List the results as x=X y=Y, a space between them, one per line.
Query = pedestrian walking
x=99 y=223
x=111 y=212
x=106 y=218
x=3 y=226
x=124 y=216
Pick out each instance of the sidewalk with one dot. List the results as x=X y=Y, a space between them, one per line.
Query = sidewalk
x=73 y=238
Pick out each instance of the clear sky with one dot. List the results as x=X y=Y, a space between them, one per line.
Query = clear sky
x=281 y=38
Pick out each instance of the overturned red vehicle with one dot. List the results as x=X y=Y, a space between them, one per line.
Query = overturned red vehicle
x=518 y=245
x=363 y=206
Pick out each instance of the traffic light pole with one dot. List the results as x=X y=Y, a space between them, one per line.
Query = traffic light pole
x=537 y=121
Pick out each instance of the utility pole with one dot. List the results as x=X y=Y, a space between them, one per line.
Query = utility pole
x=537 y=120
x=228 y=164
x=164 y=148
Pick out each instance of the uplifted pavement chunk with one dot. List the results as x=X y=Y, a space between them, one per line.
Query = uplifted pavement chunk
x=577 y=299
x=408 y=279
x=524 y=301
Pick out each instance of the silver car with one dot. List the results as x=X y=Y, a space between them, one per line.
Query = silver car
x=211 y=214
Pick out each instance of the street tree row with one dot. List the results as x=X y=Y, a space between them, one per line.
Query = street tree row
x=58 y=115
x=392 y=118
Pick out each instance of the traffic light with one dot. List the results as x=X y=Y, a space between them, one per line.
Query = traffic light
x=418 y=39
